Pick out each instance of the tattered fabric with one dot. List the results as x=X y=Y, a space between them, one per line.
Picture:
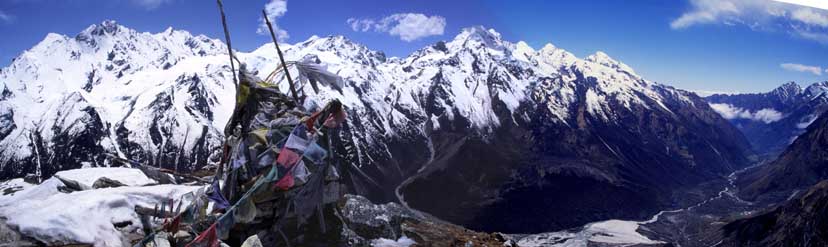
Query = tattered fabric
x=215 y=195
x=207 y=238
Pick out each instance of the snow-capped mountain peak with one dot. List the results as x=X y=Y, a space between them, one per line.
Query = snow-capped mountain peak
x=523 y=51
x=553 y=58
x=87 y=87
x=603 y=59
x=788 y=91
x=477 y=33
x=816 y=90
x=480 y=39
x=109 y=27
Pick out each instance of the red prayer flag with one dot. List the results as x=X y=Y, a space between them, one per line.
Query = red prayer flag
x=288 y=158
x=286 y=182
x=208 y=238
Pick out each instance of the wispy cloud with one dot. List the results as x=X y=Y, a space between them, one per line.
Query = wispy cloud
x=6 y=18
x=708 y=11
x=275 y=9
x=728 y=111
x=816 y=70
x=799 y=20
x=819 y=37
x=150 y=4
x=811 y=17
x=407 y=26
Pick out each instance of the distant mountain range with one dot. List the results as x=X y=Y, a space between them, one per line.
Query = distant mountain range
x=477 y=130
x=771 y=121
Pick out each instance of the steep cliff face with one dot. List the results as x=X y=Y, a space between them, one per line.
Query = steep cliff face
x=475 y=130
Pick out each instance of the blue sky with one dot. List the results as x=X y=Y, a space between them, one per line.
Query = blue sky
x=714 y=45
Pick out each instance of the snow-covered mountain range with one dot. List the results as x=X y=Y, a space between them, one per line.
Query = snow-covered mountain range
x=499 y=128
x=772 y=120
x=68 y=100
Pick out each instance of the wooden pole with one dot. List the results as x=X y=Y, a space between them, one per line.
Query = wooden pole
x=227 y=39
x=281 y=58
x=228 y=128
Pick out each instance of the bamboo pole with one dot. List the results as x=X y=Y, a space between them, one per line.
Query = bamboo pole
x=281 y=58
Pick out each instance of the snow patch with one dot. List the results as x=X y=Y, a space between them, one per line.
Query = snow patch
x=10 y=187
x=615 y=232
x=384 y=242
x=807 y=121
x=88 y=176
x=86 y=217
x=595 y=104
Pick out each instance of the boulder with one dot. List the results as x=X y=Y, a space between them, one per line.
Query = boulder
x=10 y=237
x=70 y=185
x=252 y=241
x=105 y=182
x=364 y=220
x=161 y=240
x=31 y=178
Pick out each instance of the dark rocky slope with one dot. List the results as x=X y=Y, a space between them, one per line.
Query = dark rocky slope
x=801 y=221
x=803 y=164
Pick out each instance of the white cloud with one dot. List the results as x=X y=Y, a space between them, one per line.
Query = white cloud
x=6 y=17
x=361 y=25
x=819 y=37
x=816 y=70
x=706 y=12
x=767 y=115
x=407 y=26
x=729 y=111
x=150 y=4
x=274 y=9
x=820 y=4
x=798 y=20
x=811 y=17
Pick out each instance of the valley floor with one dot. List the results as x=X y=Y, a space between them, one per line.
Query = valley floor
x=695 y=225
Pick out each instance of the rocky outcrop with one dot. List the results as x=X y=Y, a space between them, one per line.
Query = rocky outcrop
x=355 y=221
x=367 y=222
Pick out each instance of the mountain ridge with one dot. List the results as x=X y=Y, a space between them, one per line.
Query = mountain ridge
x=538 y=116
x=772 y=120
